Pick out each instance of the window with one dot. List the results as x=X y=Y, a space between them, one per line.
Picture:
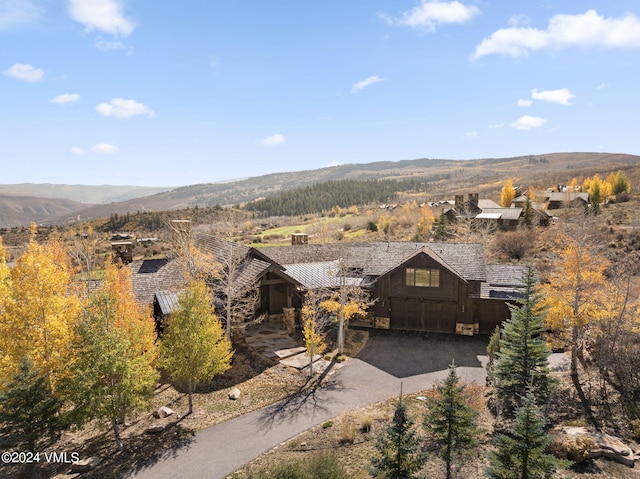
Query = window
x=424 y=277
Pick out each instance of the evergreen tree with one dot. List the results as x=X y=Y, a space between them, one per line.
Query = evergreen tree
x=522 y=360
x=194 y=347
x=526 y=220
x=28 y=411
x=520 y=453
x=400 y=455
x=451 y=422
x=441 y=227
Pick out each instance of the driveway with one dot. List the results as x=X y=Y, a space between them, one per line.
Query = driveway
x=390 y=361
x=404 y=354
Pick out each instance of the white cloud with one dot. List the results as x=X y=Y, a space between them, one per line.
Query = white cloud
x=105 y=148
x=519 y=20
x=587 y=30
x=122 y=108
x=25 y=72
x=603 y=86
x=273 y=140
x=496 y=125
x=112 y=45
x=65 y=98
x=365 y=83
x=562 y=96
x=104 y=15
x=334 y=163
x=77 y=151
x=527 y=122
x=429 y=14
x=471 y=134
x=15 y=13
x=524 y=103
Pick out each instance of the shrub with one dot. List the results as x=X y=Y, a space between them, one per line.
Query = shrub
x=635 y=428
x=365 y=424
x=573 y=448
x=347 y=429
x=327 y=425
x=318 y=466
x=515 y=244
x=372 y=226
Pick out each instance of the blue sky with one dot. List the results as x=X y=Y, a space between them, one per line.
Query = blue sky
x=176 y=93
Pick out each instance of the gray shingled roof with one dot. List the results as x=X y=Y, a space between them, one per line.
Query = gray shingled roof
x=504 y=213
x=377 y=258
x=152 y=275
x=503 y=281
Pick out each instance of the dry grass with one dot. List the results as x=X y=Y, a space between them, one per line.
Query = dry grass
x=262 y=382
x=356 y=454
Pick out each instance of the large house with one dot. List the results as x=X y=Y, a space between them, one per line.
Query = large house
x=432 y=287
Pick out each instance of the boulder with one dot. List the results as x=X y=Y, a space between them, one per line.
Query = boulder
x=234 y=394
x=155 y=429
x=610 y=447
x=163 y=412
x=85 y=465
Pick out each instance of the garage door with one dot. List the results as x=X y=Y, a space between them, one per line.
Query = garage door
x=431 y=316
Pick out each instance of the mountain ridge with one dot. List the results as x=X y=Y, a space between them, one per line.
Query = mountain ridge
x=480 y=175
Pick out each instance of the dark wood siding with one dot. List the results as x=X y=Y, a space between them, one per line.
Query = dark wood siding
x=422 y=308
x=490 y=313
x=431 y=316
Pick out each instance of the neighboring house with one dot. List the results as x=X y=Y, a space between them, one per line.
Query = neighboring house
x=563 y=199
x=502 y=218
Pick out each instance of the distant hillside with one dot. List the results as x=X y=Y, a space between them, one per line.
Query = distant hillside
x=18 y=210
x=484 y=176
x=89 y=194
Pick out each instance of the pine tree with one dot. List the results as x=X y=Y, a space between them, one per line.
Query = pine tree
x=522 y=360
x=441 y=227
x=450 y=422
x=520 y=453
x=400 y=455
x=28 y=411
x=526 y=220
x=194 y=347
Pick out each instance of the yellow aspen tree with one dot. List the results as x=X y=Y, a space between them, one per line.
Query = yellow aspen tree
x=425 y=223
x=507 y=194
x=5 y=330
x=43 y=311
x=194 y=346
x=573 y=184
x=114 y=372
x=313 y=336
x=573 y=298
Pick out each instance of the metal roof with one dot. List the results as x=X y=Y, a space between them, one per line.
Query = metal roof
x=167 y=301
x=324 y=274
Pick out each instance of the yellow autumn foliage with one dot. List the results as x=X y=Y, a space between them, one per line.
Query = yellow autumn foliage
x=39 y=311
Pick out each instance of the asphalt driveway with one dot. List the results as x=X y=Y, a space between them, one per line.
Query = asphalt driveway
x=404 y=354
x=389 y=362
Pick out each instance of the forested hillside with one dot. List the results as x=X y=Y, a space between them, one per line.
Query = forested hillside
x=342 y=193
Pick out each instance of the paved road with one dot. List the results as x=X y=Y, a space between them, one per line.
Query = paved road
x=221 y=449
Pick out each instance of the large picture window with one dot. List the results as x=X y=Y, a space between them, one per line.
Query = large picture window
x=429 y=278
